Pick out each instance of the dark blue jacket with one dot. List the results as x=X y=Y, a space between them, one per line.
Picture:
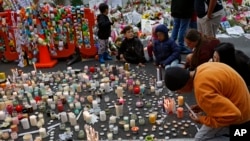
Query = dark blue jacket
x=104 y=26
x=165 y=51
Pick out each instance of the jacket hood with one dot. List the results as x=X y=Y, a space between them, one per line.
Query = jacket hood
x=163 y=29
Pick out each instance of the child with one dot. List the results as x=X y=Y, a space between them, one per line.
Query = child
x=104 y=31
x=151 y=42
x=131 y=49
x=166 y=51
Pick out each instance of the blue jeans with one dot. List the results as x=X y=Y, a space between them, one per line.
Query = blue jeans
x=179 y=30
x=174 y=63
x=212 y=134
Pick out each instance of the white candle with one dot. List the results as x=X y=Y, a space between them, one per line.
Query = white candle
x=42 y=132
x=106 y=87
x=115 y=130
x=25 y=123
x=72 y=119
x=27 y=137
x=119 y=110
x=78 y=105
x=132 y=123
x=33 y=104
x=94 y=104
x=110 y=136
x=33 y=120
x=112 y=119
x=119 y=92
x=159 y=83
x=126 y=127
x=88 y=118
x=152 y=89
x=64 y=117
x=71 y=105
x=103 y=116
x=49 y=101
x=85 y=113
x=33 y=72
x=158 y=74
x=2 y=115
x=76 y=127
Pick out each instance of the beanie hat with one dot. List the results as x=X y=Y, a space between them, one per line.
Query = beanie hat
x=176 y=78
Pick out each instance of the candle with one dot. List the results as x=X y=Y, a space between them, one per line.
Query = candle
x=79 y=88
x=14 y=128
x=103 y=116
x=180 y=112
x=159 y=84
x=112 y=119
x=110 y=136
x=132 y=123
x=94 y=104
x=14 y=135
x=27 y=137
x=78 y=105
x=180 y=100
x=135 y=129
x=64 y=117
x=42 y=132
x=126 y=127
x=152 y=89
x=72 y=119
x=119 y=110
x=2 y=115
x=71 y=105
x=76 y=127
x=33 y=120
x=119 y=91
x=49 y=101
x=25 y=123
x=53 y=105
x=106 y=87
x=88 y=118
x=15 y=120
x=60 y=107
x=33 y=104
x=84 y=114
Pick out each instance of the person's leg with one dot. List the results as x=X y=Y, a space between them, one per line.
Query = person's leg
x=193 y=25
x=212 y=134
x=211 y=26
x=175 y=30
x=106 y=55
x=173 y=64
x=200 y=25
x=101 y=50
x=184 y=23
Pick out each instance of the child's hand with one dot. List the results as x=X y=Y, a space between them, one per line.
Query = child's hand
x=141 y=65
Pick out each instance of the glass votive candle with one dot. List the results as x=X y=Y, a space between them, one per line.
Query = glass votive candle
x=106 y=98
x=13 y=135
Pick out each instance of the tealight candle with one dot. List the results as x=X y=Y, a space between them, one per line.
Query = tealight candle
x=180 y=100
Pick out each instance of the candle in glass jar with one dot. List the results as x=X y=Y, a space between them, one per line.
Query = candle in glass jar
x=78 y=105
x=119 y=92
x=33 y=120
x=14 y=128
x=132 y=123
x=110 y=136
x=2 y=115
x=72 y=119
x=42 y=132
x=112 y=119
x=71 y=105
x=180 y=100
x=33 y=104
x=126 y=127
x=64 y=117
x=60 y=107
x=15 y=120
x=88 y=118
x=14 y=135
x=49 y=101
x=94 y=104
x=27 y=137
x=180 y=112
x=103 y=116
x=152 y=89
x=25 y=123
x=115 y=130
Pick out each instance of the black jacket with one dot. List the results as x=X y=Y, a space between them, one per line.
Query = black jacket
x=132 y=50
x=182 y=9
x=201 y=7
x=104 y=26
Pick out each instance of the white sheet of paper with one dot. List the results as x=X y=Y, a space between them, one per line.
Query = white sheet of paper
x=146 y=25
x=236 y=30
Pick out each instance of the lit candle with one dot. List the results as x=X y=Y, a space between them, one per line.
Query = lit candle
x=152 y=89
x=112 y=119
x=71 y=105
x=25 y=123
x=78 y=105
x=64 y=117
x=103 y=116
x=42 y=132
x=72 y=119
x=33 y=120
x=119 y=92
x=132 y=123
x=27 y=137
x=180 y=112
x=180 y=100
x=110 y=136
x=126 y=127
x=94 y=104
x=14 y=128
x=2 y=115
x=84 y=114
x=15 y=120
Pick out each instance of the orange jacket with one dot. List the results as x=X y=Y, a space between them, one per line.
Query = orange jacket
x=222 y=94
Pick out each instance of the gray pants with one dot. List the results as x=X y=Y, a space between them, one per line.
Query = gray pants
x=207 y=26
x=103 y=45
x=212 y=134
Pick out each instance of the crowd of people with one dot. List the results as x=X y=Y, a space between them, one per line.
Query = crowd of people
x=217 y=72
